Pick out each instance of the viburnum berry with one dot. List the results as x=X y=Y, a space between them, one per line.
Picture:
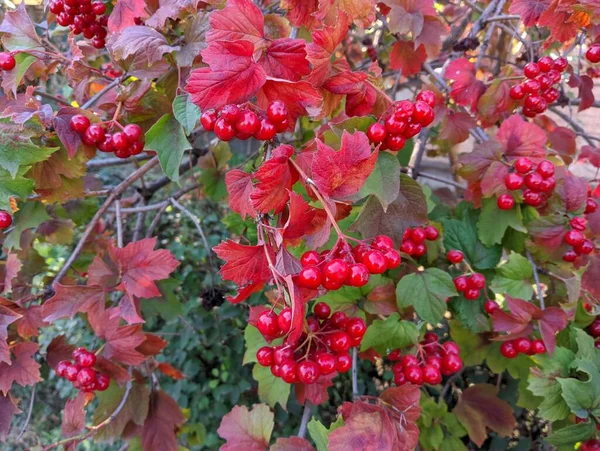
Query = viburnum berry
x=570 y=256
x=545 y=82
x=413 y=374
x=7 y=61
x=594 y=328
x=327 y=362
x=431 y=375
x=284 y=320
x=522 y=345
x=248 y=123
x=573 y=238
x=356 y=327
x=322 y=310
x=532 y=198
x=508 y=350
x=593 y=53
x=560 y=64
x=395 y=142
x=277 y=112
x=523 y=165
x=264 y=356
x=531 y=70
x=336 y=270
x=505 y=202
x=538 y=347
x=431 y=233
x=420 y=250
x=133 y=132
x=551 y=95
x=5 y=219
x=578 y=223
x=545 y=168
x=86 y=376
x=413 y=128
x=585 y=248
x=455 y=256
x=375 y=261
x=514 y=181
x=377 y=132
x=593 y=444
x=266 y=130
x=310 y=258
x=471 y=294
x=533 y=181
x=428 y=97
x=267 y=324
x=79 y=123
x=460 y=283
x=340 y=341
x=417 y=235
x=545 y=63
x=451 y=363
x=516 y=92
x=224 y=130
x=476 y=281
x=430 y=337
x=344 y=363
x=394 y=126
x=423 y=113
x=392 y=258
x=491 y=306
x=404 y=110
x=358 y=276
x=451 y=348
x=230 y=113
x=282 y=354
x=61 y=368
x=208 y=119
x=382 y=242
x=310 y=277
x=102 y=382
x=307 y=372
x=288 y=371
x=409 y=360
x=408 y=247
x=590 y=206
x=339 y=319
x=86 y=359
x=531 y=86
x=548 y=185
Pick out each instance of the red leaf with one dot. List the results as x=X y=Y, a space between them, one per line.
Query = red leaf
x=247 y=430
x=466 y=89
x=274 y=180
x=114 y=371
x=302 y=220
x=362 y=98
x=407 y=16
x=300 y=97
x=239 y=185
x=124 y=14
x=405 y=399
x=315 y=393
x=367 y=431
x=586 y=94
x=162 y=423
x=31 y=322
x=403 y=56
x=239 y=20
x=70 y=138
x=591 y=277
x=247 y=266
x=152 y=345
x=71 y=299
x=493 y=180
x=322 y=47
x=590 y=154
x=572 y=190
x=233 y=76
x=341 y=174
x=7 y=317
x=286 y=58
x=58 y=349
x=561 y=21
x=548 y=232
x=303 y=12
x=291 y=444
x=73 y=421
x=9 y=271
x=431 y=35
x=168 y=370
x=455 y=127
x=23 y=370
x=8 y=409
x=520 y=138
x=553 y=320
x=529 y=10
x=121 y=344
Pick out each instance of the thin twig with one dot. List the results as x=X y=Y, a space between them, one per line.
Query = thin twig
x=119 y=223
x=31 y=402
x=354 y=373
x=536 y=277
x=448 y=384
x=105 y=162
x=47 y=96
x=420 y=152
x=306 y=416
x=139 y=224
x=103 y=91
x=196 y=221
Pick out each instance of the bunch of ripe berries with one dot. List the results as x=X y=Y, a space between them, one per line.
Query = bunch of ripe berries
x=469 y=285
x=123 y=144
x=537 y=183
x=414 y=240
x=82 y=17
x=538 y=91
x=82 y=373
x=241 y=122
x=322 y=349
x=580 y=245
x=523 y=345
x=405 y=121
x=431 y=361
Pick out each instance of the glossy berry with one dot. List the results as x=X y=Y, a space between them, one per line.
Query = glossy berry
x=358 y=276
x=428 y=97
x=339 y=319
x=523 y=165
x=532 y=198
x=326 y=362
x=431 y=233
x=538 y=347
x=491 y=306
x=578 y=223
x=404 y=110
x=560 y=64
x=376 y=132
x=392 y=258
x=395 y=142
x=516 y=92
x=264 y=356
x=593 y=54
x=133 y=132
x=375 y=262
x=267 y=324
x=86 y=359
x=531 y=70
x=533 y=181
x=95 y=134
x=394 y=126
x=288 y=371
x=61 y=368
x=284 y=320
x=344 y=363
x=431 y=375
x=277 y=112
x=590 y=206
x=408 y=247
x=208 y=120
x=551 y=95
x=508 y=350
x=399 y=378
x=71 y=372
x=230 y=113
x=356 y=327
x=532 y=86
x=7 y=61
x=79 y=123
x=409 y=360
x=86 y=376
x=548 y=185
x=224 y=130
x=573 y=238
x=423 y=113
x=336 y=270
x=522 y=345
x=412 y=129
x=455 y=256
x=382 y=242
x=5 y=219
x=102 y=382
x=340 y=341
x=121 y=141
x=594 y=328
x=461 y=283
x=413 y=374
x=266 y=131
x=430 y=337
x=585 y=248
x=310 y=277
x=505 y=202
x=545 y=168
x=248 y=123
x=322 y=310
x=307 y=372
x=514 y=181
x=451 y=363
x=545 y=63
x=418 y=235
x=471 y=294
x=310 y=258
x=570 y=256
x=476 y=281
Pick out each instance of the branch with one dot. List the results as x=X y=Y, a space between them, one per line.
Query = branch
x=47 y=96
x=104 y=90
x=119 y=189
x=420 y=152
x=119 y=221
x=487 y=12
x=578 y=128
x=105 y=162
x=306 y=416
x=536 y=277
x=196 y=221
x=31 y=402
x=183 y=168
x=354 y=373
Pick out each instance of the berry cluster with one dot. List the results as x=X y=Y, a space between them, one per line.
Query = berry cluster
x=237 y=121
x=82 y=16
x=590 y=445
x=429 y=364
x=511 y=349
x=405 y=121
x=575 y=238
x=347 y=266
x=81 y=373
x=536 y=182
x=7 y=61
x=469 y=285
x=321 y=350
x=124 y=144
x=593 y=54
x=594 y=330
x=413 y=241
x=5 y=220
x=538 y=91
x=590 y=206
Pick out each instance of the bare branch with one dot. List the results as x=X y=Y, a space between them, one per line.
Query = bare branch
x=536 y=277
x=306 y=416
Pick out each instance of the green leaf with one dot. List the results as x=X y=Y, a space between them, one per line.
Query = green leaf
x=17 y=187
x=471 y=314
x=426 y=291
x=333 y=137
x=271 y=389
x=453 y=444
x=168 y=139
x=388 y=334
x=586 y=349
x=461 y=234
x=474 y=348
x=17 y=149
x=31 y=215
x=580 y=395
x=186 y=113
x=384 y=181
x=572 y=434
x=513 y=277
x=493 y=222
x=254 y=341
x=320 y=434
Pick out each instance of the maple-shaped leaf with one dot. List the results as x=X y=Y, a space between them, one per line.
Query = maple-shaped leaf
x=18 y=31
x=286 y=58
x=274 y=180
x=547 y=234
x=232 y=77
x=163 y=422
x=455 y=127
x=121 y=341
x=71 y=299
x=113 y=370
x=139 y=42
x=239 y=186
x=408 y=58
x=341 y=174
x=362 y=96
x=572 y=190
x=432 y=34
x=591 y=155
x=520 y=138
x=9 y=271
x=152 y=345
x=8 y=409
x=169 y=370
x=124 y=14
x=7 y=317
x=300 y=97
x=585 y=85
x=408 y=16
x=239 y=20
x=245 y=429
x=479 y=408
x=247 y=266
x=369 y=430
x=521 y=318
x=562 y=139
x=315 y=393
x=320 y=50
x=73 y=421
x=58 y=349
x=23 y=368
x=591 y=278
x=302 y=220
x=31 y=322
x=561 y=22
x=529 y=10
x=496 y=102
x=306 y=13
x=291 y=444
x=465 y=89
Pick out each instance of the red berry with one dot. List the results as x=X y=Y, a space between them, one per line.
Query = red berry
x=431 y=375
x=434 y=361
x=545 y=168
x=79 y=123
x=570 y=256
x=358 y=276
x=408 y=247
x=516 y=92
x=417 y=235
x=545 y=82
x=533 y=181
x=573 y=238
x=420 y=250
x=476 y=281
x=86 y=359
x=307 y=372
x=508 y=350
x=288 y=371
x=56 y=6
x=382 y=242
x=310 y=277
x=451 y=348
x=230 y=113
x=593 y=54
x=336 y=270
x=514 y=181
x=431 y=233
x=523 y=165
x=121 y=141
x=310 y=258
x=394 y=355
x=538 y=347
x=392 y=259
x=276 y=370
x=430 y=337
x=428 y=97
x=98 y=43
x=322 y=310
x=266 y=131
x=491 y=306
x=344 y=363
x=208 y=120
x=455 y=256
x=313 y=324
x=395 y=142
x=248 y=123
x=522 y=345
x=412 y=129
x=264 y=356
x=551 y=95
x=71 y=372
x=560 y=64
x=532 y=198
x=95 y=134
x=282 y=353
x=471 y=294
x=102 y=382
x=451 y=363
x=5 y=219
x=267 y=324
x=548 y=185
x=133 y=132
x=404 y=110
x=532 y=86
x=413 y=374
x=327 y=362
x=529 y=112
x=409 y=360
x=375 y=262
x=64 y=19
x=399 y=378
x=377 y=132
x=224 y=130
x=546 y=63
x=282 y=126
x=123 y=153
x=284 y=320
x=533 y=102
x=340 y=341
x=423 y=113
x=61 y=368
x=531 y=70
x=86 y=376
x=594 y=328
x=578 y=223
x=505 y=202
x=590 y=206
x=339 y=319
x=99 y=8
x=585 y=248
x=394 y=126
x=356 y=327
x=277 y=112
x=7 y=61
x=461 y=283
x=590 y=445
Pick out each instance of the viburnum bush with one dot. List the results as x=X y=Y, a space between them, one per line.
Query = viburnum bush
x=402 y=308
